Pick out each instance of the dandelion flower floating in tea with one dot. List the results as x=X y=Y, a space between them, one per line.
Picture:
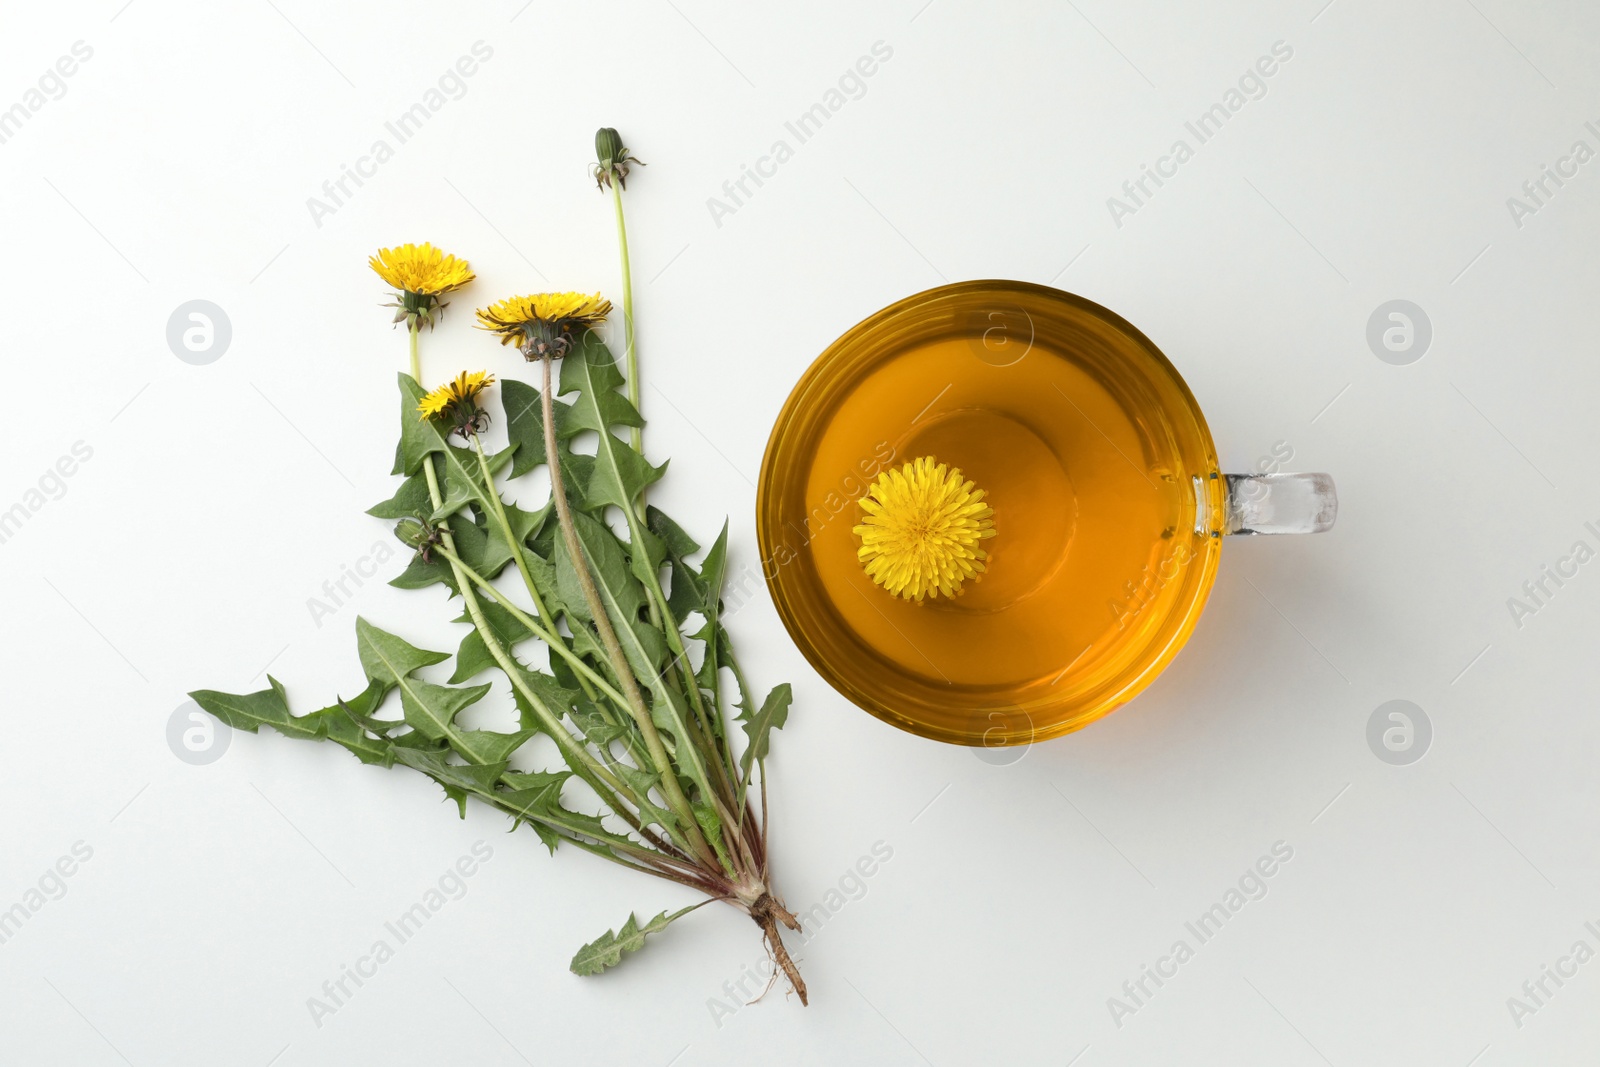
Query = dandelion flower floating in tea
x=922 y=529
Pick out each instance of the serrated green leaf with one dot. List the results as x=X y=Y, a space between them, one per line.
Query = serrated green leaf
x=714 y=572
x=620 y=593
x=644 y=647
x=536 y=798
x=373 y=751
x=546 y=783
x=590 y=370
x=642 y=782
x=620 y=474
x=531 y=795
x=491 y=746
x=556 y=696
x=418 y=437
x=773 y=714
x=420 y=573
x=600 y=729
x=496 y=552
x=348 y=724
x=474 y=657
x=550 y=837
x=463 y=481
x=711 y=827
x=459 y=781
x=646 y=555
x=387 y=658
x=608 y=949
x=268 y=707
x=677 y=540
x=431 y=709
x=525 y=424
x=477 y=550
x=410 y=501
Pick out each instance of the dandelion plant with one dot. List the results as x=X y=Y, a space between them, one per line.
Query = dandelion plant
x=637 y=671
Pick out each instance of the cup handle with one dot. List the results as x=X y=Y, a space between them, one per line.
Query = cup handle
x=1279 y=504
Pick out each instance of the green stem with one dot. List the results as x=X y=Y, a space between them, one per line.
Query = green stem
x=608 y=638
x=597 y=776
x=749 y=707
x=517 y=551
x=635 y=433
x=592 y=681
x=568 y=744
x=607 y=845
x=553 y=640
x=658 y=611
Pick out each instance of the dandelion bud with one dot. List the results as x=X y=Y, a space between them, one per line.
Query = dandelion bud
x=612 y=159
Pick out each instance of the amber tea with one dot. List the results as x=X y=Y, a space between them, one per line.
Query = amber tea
x=1106 y=504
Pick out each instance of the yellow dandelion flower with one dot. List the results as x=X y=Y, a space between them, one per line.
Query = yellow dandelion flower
x=421 y=269
x=420 y=274
x=458 y=398
x=542 y=323
x=921 y=530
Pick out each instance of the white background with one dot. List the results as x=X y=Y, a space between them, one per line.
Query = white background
x=1020 y=897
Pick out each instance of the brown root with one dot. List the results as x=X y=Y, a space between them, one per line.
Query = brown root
x=768 y=914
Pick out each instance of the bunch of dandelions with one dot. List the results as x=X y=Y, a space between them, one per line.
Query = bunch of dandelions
x=598 y=634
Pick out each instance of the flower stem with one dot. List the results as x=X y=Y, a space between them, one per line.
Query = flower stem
x=608 y=637
x=512 y=540
x=575 y=661
x=635 y=433
x=597 y=776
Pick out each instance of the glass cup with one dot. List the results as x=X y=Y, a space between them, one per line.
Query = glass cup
x=1109 y=511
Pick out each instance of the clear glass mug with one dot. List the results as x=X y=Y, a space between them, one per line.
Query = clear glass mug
x=1110 y=511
